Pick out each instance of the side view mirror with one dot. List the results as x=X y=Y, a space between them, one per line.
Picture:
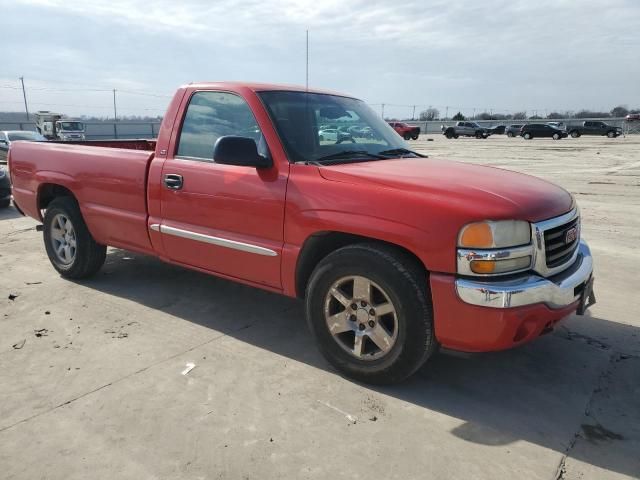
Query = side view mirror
x=241 y=151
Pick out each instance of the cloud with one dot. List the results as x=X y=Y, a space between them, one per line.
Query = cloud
x=466 y=54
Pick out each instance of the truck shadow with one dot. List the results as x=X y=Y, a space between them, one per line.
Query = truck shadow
x=9 y=213
x=537 y=393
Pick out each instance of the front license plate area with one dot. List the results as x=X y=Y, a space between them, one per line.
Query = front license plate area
x=587 y=297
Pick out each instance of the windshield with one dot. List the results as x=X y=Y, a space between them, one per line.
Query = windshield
x=34 y=136
x=313 y=126
x=70 y=126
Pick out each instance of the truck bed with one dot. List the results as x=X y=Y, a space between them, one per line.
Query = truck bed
x=108 y=180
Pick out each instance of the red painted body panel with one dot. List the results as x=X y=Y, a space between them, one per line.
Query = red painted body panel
x=470 y=328
x=419 y=204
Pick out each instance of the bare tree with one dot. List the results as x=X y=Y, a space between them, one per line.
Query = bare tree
x=430 y=114
x=619 y=111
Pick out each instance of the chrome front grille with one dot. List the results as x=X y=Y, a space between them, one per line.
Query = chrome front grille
x=554 y=251
x=561 y=242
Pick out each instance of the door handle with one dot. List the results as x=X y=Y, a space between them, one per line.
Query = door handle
x=173 y=181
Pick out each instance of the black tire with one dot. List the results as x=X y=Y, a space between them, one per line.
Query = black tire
x=414 y=136
x=407 y=136
x=556 y=136
x=479 y=134
x=510 y=134
x=611 y=134
x=405 y=284
x=574 y=134
x=456 y=136
x=89 y=255
x=449 y=133
x=5 y=203
x=527 y=136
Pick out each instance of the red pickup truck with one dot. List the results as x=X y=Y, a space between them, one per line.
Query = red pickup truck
x=407 y=132
x=394 y=253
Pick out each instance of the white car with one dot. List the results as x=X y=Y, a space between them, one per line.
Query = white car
x=328 y=134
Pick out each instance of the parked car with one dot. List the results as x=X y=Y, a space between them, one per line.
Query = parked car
x=334 y=135
x=394 y=255
x=5 y=187
x=466 y=129
x=8 y=136
x=594 y=128
x=633 y=117
x=513 y=130
x=408 y=132
x=497 y=130
x=541 y=130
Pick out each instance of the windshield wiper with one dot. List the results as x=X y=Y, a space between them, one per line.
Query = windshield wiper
x=348 y=154
x=401 y=151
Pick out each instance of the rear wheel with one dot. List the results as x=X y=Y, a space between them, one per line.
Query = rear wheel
x=414 y=136
x=611 y=134
x=479 y=134
x=510 y=134
x=527 y=136
x=575 y=134
x=71 y=249
x=455 y=135
x=369 y=308
x=407 y=136
x=557 y=136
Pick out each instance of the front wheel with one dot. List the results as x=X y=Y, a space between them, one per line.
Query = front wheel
x=556 y=136
x=407 y=136
x=414 y=136
x=71 y=249
x=611 y=134
x=575 y=134
x=369 y=308
x=510 y=134
x=527 y=136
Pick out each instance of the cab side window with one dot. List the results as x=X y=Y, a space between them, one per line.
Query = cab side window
x=211 y=115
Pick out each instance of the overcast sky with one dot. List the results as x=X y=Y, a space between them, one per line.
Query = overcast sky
x=506 y=56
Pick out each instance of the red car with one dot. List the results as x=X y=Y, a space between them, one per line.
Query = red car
x=407 y=132
x=394 y=254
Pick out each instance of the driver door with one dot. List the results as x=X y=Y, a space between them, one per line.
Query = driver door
x=225 y=219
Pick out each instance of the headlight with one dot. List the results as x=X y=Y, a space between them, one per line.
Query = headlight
x=500 y=234
x=494 y=247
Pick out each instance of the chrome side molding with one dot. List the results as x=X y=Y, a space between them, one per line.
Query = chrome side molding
x=218 y=241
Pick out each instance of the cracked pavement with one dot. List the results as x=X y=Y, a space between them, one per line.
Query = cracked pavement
x=100 y=392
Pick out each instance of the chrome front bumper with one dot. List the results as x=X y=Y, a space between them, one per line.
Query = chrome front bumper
x=557 y=291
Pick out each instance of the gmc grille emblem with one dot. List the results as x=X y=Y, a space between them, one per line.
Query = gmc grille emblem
x=571 y=235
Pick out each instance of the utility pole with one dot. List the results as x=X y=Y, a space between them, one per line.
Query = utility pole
x=307 y=63
x=115 y=110
x=413 y=115
x=446 y=115
x=24 y=95
x=474 y=114
x=383 y=111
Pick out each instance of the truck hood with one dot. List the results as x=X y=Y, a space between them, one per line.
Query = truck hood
x=482 y=192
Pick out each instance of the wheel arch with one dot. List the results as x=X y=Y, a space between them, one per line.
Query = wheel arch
x=47 y=192
x=320 y=244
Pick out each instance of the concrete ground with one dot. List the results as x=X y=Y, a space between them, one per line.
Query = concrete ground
x=91 y=382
